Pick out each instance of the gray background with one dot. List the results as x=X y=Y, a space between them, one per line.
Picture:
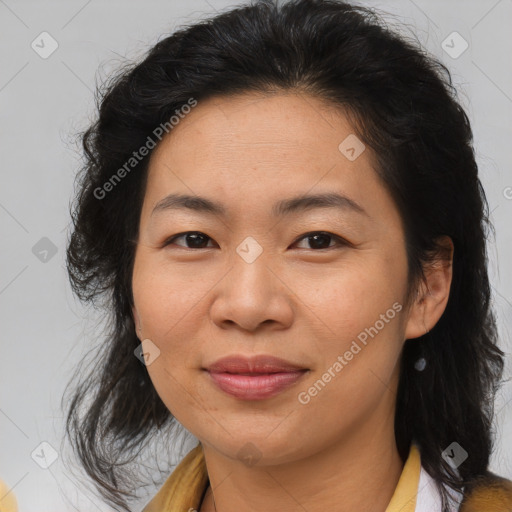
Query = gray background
x=43 y=102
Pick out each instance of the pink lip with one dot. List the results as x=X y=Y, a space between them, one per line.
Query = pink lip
x=254 y=378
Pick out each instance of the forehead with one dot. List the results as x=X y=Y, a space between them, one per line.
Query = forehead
x=252 y=148
x=290 y=125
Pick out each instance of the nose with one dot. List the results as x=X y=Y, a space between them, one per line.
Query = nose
x=252 y=295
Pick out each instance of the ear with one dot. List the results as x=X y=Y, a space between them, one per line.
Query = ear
x=433 y=292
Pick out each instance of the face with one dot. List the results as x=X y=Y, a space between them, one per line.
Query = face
x=318 y=283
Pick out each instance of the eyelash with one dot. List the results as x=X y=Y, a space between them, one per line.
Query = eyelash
x=340 y=241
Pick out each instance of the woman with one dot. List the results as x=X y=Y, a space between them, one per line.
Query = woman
x=281 y=210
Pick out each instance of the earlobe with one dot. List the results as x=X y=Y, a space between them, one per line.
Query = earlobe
x=419 y=319
x=432 y=297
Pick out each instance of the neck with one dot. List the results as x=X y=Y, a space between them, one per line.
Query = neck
x=360 y=473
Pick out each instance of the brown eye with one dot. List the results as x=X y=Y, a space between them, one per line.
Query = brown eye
x=193 y=240
x=321 y=240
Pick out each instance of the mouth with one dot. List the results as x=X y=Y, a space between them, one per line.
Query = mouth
x=256 y=378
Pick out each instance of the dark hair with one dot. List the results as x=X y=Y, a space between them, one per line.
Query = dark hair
x=402 y=104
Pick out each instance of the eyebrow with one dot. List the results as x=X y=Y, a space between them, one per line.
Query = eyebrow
x=279 y=209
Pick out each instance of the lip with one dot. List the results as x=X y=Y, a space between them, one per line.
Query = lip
x=255 y=364
x=254 y=378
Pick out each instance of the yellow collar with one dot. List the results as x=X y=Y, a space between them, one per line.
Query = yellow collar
x=404 y=497
x=186 y=486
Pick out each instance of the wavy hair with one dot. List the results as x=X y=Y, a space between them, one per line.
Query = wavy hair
x=403 y=105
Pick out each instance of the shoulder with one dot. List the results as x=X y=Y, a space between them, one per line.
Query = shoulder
x=489 y=493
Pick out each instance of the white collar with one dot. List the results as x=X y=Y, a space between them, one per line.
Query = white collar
x=428 y=498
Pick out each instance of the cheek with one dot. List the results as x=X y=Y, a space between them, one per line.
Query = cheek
x=357 y=314
x=167 y=297
x=162 y=307
x=177 y=390
x=349 y=299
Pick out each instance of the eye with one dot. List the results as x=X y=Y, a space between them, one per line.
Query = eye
x=321 y=240
x=196 y=239
x=318 y=240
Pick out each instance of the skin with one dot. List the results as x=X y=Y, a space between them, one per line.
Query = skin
x=296 y=301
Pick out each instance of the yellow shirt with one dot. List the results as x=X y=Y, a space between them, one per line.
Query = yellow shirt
x=185 y=488
x=7 y=499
